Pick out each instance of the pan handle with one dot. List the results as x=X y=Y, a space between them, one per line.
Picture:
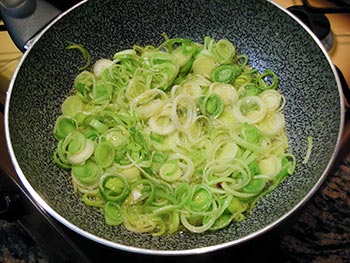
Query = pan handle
x=25 y=18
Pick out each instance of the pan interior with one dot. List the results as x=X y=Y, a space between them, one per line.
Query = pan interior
x=269 y=37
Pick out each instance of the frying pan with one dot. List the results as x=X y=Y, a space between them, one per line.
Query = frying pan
x=270 y=36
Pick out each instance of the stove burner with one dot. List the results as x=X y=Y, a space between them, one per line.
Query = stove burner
x=318 y=23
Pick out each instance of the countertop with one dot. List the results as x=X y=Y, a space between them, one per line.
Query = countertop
x=322 y=231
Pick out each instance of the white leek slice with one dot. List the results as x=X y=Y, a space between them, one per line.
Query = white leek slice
x=272 y=123
x=273 y=100
x=161 y=123
x=250 y=109
x=270 y=165
x=183 y=112
x=100 y=66
x=83 y=155
x=226 y=91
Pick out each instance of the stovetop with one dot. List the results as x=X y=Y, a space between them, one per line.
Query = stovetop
x=322 y=232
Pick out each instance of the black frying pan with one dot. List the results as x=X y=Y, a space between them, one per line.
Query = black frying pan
x=272 y=39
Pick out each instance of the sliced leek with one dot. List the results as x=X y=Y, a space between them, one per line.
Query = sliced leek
x=177 y=136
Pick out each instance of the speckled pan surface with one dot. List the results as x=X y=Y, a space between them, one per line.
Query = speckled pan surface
x=259 y=29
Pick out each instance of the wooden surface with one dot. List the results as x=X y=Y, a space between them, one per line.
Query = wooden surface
x=9 y=57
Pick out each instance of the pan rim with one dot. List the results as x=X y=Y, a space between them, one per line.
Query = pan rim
x=46 y=207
